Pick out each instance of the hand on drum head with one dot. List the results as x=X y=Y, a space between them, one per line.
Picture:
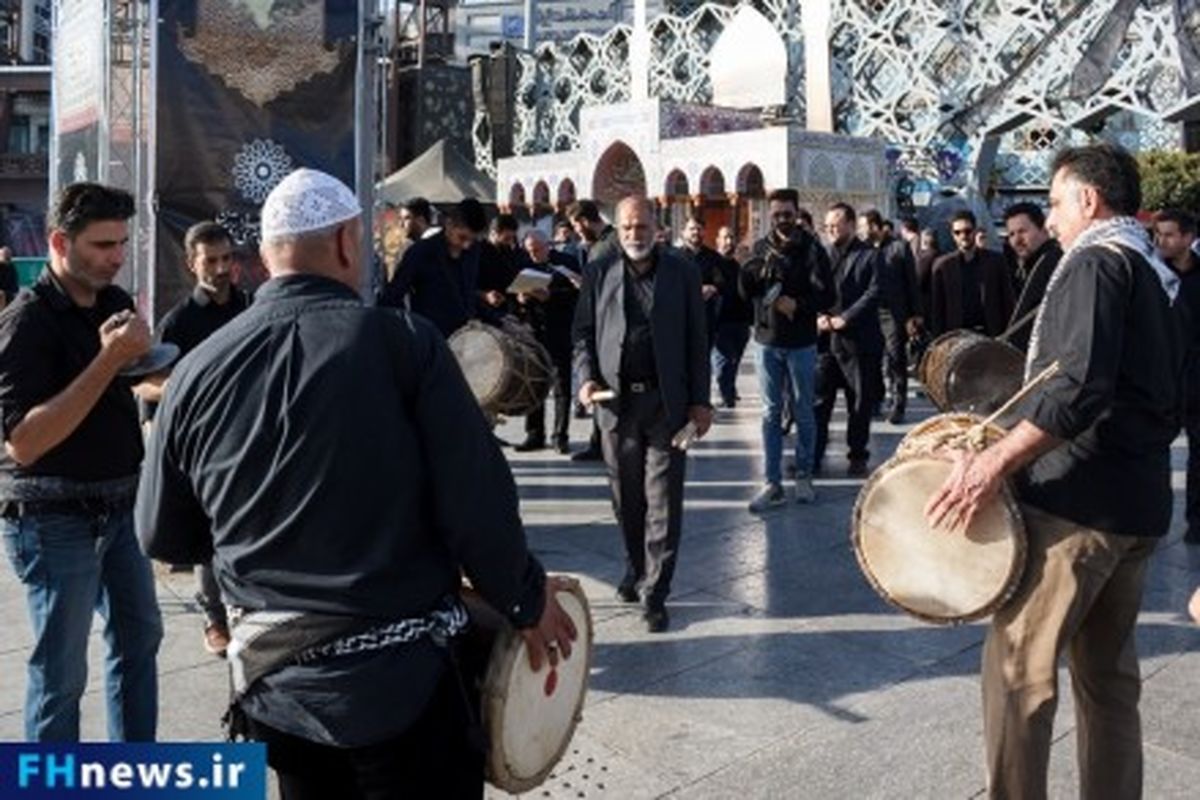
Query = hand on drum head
x=973 y=483
x=554 y=632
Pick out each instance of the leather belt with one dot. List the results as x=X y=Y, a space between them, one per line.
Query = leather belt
x=81 y=507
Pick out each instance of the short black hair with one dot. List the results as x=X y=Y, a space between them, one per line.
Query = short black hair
x=204 y=233
x=1026 y=209
x=785 y=196
x=1184 y=220
x=1109 y=169
x=964 y=215
x=910 y=224
x=80 y=204
x=805 y=216
x=419 y=207
x=586 y=210
x=846 y=209
x=468 y=213
x=504 y=222
x=874 y=218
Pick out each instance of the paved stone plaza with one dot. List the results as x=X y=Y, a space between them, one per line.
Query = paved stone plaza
x=783 y=674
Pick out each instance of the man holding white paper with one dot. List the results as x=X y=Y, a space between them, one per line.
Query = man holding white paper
x=640 y=334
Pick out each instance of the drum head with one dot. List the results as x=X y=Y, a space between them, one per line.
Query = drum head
x=531 y=716
x=939 y=577
x=481 y=356
x=983 y=376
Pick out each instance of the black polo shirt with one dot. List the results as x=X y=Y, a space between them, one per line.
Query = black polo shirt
x=197 y=317
x=46 y=341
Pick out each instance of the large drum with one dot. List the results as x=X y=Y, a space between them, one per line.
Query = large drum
x=508 y=371
x=937 y=576
x=529 y=717
x=966 y=371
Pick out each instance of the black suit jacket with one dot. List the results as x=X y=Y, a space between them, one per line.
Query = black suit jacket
x=946 y=313
x=442 y=291
x=677 y=320
x=856 y=282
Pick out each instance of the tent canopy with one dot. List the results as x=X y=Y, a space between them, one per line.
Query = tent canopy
x=441 y=175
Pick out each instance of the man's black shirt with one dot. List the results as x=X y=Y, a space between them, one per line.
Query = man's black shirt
x=637 y=357
x=46 y=341
x=197 y=317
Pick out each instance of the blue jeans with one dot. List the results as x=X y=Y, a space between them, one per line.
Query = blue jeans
x=799 y=364
x=73 y=565
x=727 y=356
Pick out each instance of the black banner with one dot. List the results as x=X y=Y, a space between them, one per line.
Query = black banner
x=246 y=92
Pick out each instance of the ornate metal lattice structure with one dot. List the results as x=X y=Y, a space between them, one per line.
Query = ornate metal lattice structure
x=967 y=94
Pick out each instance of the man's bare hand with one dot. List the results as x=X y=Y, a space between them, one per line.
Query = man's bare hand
x=586 y=390
x=126 y=336
x=708 y=291
x=552 y=636
x=837 y=323
x=973 y=483
x=702 y=418
x=493 y=298
x=785 y=305
x=823 y=323
x=915 y=325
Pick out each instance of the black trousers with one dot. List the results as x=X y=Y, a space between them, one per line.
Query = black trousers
x=1192 y=503
x=434 y=758
x=860 y=378
x=645 y=474
x=535 y=422
x=895 y=359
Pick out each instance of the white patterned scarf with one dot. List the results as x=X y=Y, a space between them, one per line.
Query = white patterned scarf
x=1125 y=232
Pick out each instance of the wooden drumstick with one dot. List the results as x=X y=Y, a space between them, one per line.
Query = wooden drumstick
x=1043 y=376
x=603 y=395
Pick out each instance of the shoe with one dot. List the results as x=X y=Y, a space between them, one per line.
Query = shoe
x=589 y=454
x=729 y=402
x=896 y=417
x=561 y=447
x=656 y=618
x=530 y=445
x=858 y=468
x=627 y=591
x=804 y=491
x=771 y=495
x=216 y=638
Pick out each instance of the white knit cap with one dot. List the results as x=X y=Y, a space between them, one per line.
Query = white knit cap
x=307 y=200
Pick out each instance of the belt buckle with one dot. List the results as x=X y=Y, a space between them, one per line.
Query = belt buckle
x=637 y=387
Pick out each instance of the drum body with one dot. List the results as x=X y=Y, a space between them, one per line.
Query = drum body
x=946 y=430
x=937 y=576
x=508 y=371
x=529 y=717
x=966 y=371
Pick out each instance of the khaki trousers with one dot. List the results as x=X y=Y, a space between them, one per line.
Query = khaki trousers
x=1080 y=595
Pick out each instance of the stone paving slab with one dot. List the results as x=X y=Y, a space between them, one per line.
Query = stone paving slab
x=783 y=675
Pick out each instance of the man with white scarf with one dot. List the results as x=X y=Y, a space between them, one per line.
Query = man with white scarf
x=1090 y=463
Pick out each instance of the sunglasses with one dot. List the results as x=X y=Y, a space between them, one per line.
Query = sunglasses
x=962 y=231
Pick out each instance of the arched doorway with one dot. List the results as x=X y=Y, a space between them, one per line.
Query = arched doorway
x=751 y=204
x=712 y=203
x=619 y=173
x=566 y=193
x=675 y=202
x=516 y=197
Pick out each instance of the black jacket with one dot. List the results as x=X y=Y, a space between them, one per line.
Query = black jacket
x=801 y=268
x=898 y=280
x=856 y=285
x=1034 y=281
x=677 y=320
x=438 y=288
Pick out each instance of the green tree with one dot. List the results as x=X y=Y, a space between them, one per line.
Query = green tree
x=1170 y=179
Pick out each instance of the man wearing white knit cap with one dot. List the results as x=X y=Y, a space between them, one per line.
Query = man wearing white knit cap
x=343 y=589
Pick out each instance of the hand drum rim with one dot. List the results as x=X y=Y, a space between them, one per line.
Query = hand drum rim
x=507 y=768
x=993 y=548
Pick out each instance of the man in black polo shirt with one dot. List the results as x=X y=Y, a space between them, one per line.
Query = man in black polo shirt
x=69 y=472
x=1091 y=457
x=213 y=302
